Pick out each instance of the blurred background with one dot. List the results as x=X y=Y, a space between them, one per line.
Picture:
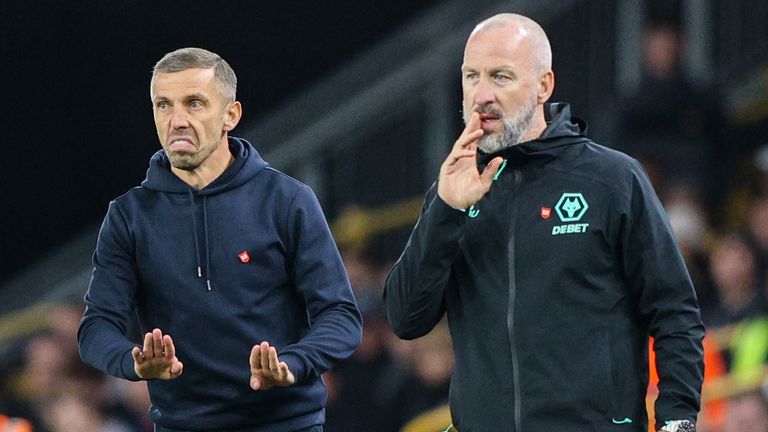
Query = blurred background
x=361 y=100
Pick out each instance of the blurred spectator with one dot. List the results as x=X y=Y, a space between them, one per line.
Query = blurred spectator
x=758 y=232
x=734 y=272
x=747 y=413
x=364 y=277
x=64 y=321
x=748 y=186
x=691 y=227
x=669 y=123
x=14 y=424
x=432 y=367
x=133 y=404
x=10 y=405
x=69 y=412
x=363 y=390
x=749 y=351
x=46 y=361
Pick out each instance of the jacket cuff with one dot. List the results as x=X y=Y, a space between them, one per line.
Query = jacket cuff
x=442 y=210
x=127 y=368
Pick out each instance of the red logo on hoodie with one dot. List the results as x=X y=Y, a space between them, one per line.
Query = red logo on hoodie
x=244 y=257
x=546 y=212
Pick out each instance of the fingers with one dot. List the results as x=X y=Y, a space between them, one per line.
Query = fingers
x=265 y=356
x=255 y=382
x=168 y=347
x=467 y=139
x=176 y=369
x=157 y=342
x=472 y=132
x=474 y=121
x=147 y=349
x=490 y=171
x=267 y=370
x=273 y=360
x=455 y=156
x=255 y=358
x=260 y=357
x=285 y=374
x=138 y=357
x=157 y=345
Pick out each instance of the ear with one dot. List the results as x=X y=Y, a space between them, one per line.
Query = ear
x=232 y=116
x=546 y=86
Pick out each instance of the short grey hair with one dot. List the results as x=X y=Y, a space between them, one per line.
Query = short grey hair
x=192 y=58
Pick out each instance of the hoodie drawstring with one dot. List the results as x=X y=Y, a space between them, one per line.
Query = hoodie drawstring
x=197 y=247
x=207 y=248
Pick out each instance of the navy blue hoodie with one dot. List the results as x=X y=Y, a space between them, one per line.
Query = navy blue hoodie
x=174 y=256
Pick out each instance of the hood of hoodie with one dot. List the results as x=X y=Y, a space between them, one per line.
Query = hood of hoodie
x=246 y=165
x=562 y=130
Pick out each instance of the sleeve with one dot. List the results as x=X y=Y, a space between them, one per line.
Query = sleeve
x=658 y=277
x=320 y=278
x=415 y=288
x=110 y=301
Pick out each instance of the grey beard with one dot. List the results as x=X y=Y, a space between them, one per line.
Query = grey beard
x=512 y=132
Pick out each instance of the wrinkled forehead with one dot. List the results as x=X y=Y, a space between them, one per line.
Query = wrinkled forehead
x=184 y=81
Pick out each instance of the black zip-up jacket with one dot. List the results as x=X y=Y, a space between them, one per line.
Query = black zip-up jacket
x=553 y=283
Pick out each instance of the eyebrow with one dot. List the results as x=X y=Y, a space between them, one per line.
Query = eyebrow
x=188 y=97
x=200 y=96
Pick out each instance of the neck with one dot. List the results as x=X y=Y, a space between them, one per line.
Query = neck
x=210 y=169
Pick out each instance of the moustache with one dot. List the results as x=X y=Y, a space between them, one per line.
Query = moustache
x=489 y=109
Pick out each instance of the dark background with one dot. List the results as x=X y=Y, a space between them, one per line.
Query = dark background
x=77 y=126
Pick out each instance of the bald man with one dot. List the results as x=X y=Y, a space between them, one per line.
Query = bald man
x=553 y=259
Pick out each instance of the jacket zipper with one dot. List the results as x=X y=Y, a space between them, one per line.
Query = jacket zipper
x=511 y=307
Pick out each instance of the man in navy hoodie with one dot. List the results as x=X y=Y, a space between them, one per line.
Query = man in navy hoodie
x=229 y=267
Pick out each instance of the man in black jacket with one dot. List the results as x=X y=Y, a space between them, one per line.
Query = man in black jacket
x=553 y=259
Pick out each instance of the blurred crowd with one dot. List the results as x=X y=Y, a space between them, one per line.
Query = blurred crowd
x=48 y=387
x=716 y=197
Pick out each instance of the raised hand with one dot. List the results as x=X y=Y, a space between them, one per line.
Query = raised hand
x=266 y=370
x=461 y=184
x=157 y=359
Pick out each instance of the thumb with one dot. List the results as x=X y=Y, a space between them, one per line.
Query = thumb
x=138 y=357
x=255 y=382
x=177 y=368
x=491 y=170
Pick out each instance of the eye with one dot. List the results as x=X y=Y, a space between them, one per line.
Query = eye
x=195 y=104
x=162 y=105
x=470 y=75
x=501 y=77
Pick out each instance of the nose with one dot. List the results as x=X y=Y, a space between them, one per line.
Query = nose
x=179 y=119
x=484 y=94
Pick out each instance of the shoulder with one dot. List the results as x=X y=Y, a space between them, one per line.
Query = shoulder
x=605 y=166
x=282 y=179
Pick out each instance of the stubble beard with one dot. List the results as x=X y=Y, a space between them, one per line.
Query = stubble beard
x=513 y=128
x=190 y=161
